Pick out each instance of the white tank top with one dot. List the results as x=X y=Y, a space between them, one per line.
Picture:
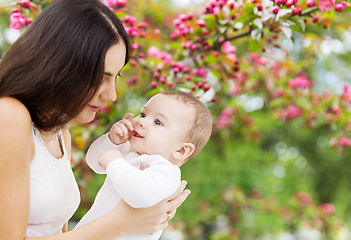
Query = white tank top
x=54 y=194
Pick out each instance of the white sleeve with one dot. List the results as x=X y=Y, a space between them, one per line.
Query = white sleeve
x=144 y=188
x=99 y=146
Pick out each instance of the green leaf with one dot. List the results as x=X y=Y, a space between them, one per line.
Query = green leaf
x=210 y=21
x=253 y=46
x=299 y=23
x=296 y=28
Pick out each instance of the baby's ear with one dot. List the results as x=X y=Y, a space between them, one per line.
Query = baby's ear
x=184 y=151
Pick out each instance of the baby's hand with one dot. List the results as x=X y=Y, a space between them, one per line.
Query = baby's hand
x=108 y=156
x=120 y=131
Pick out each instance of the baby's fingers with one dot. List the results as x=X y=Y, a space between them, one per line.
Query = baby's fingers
x=122 y=130
x=128 y=116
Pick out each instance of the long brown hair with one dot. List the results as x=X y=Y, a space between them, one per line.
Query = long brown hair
x=56 y=66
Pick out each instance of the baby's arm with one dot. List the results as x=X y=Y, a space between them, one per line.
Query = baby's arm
x=119 y=133
x=144 y=188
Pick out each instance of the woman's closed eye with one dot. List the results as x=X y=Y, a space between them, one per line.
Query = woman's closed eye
x=158 y=122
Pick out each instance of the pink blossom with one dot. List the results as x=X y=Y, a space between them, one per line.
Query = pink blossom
x=143 y=25
x=183 y=17
x=294 y=111
x=223 y=119
x=156 y=53
x=132 y=20
x=232 y=57
x=202 y=72
x=227 y=47
x=275 y=9
x=118 y=3
x=135 y=46
x=347 y=92
x=299 y=81
x=279 y=92
x=29 y=21
x=326 y=4
x=25 y=3
x=335 y=110
x=216 y=11
x=340 y=6
x=235 y=90
x=201 y=22
x=327 y=208
x=105 y=2
x=304 y=197
x=310 y=3
x=344 y=141
x=17 y=20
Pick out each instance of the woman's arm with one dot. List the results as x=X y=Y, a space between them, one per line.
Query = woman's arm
x=125 y=219
x=16 y=152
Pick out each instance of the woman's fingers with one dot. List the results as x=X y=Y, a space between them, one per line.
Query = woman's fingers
x=176 y=202
x=179 y=190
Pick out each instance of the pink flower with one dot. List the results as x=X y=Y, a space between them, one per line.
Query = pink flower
x=223 y=119
x=25 y=3
x=118 y=3
x=235 y=90
x=232 y=57
x=227 y=47
x=310 y=3
x=299 y=81
x=156 y=53
x=340 y=6
x=304 y=197
x=275 y=9
x=326 y=4
x=347 y=92
x=344 y=141
x=327 y=208
x=135 y=46
x=201 y=22
x=294 y=111
x=17 y=20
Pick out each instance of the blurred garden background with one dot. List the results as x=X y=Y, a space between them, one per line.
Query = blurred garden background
x=276 y=76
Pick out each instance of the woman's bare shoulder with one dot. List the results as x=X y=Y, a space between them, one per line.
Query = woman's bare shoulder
x=15 y=120
x=11 y=108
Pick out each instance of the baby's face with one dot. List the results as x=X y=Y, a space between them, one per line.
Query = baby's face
x=161 y=126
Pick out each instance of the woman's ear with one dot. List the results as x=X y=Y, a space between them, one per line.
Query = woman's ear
x=184 y=151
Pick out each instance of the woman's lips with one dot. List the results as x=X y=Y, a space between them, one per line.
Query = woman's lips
x=94 y=109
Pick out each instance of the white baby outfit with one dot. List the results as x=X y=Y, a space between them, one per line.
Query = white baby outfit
x=125 y=181
x=54 y=194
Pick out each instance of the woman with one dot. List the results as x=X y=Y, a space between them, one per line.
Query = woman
x=63 y=67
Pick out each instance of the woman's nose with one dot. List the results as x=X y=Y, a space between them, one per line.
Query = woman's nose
x=108 y=91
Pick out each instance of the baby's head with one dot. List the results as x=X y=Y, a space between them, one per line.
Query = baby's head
x=173 y=124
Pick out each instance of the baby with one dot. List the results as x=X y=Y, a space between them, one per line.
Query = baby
x=142 y=157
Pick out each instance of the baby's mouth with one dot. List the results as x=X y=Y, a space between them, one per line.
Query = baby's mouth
x=136 y=134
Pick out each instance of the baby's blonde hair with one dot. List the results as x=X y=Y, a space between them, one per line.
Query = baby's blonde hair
x=200 y=130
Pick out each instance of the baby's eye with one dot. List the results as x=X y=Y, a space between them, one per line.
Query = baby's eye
x=142 y=115
x=158 y=122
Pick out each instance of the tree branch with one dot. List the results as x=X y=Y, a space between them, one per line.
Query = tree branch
x=244 y=34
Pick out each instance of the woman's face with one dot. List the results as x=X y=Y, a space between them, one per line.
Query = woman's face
x=114 y=62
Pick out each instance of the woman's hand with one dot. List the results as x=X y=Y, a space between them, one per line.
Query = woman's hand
x=154 y=218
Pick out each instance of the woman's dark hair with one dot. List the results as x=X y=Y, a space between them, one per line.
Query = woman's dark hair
x=57 y=65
